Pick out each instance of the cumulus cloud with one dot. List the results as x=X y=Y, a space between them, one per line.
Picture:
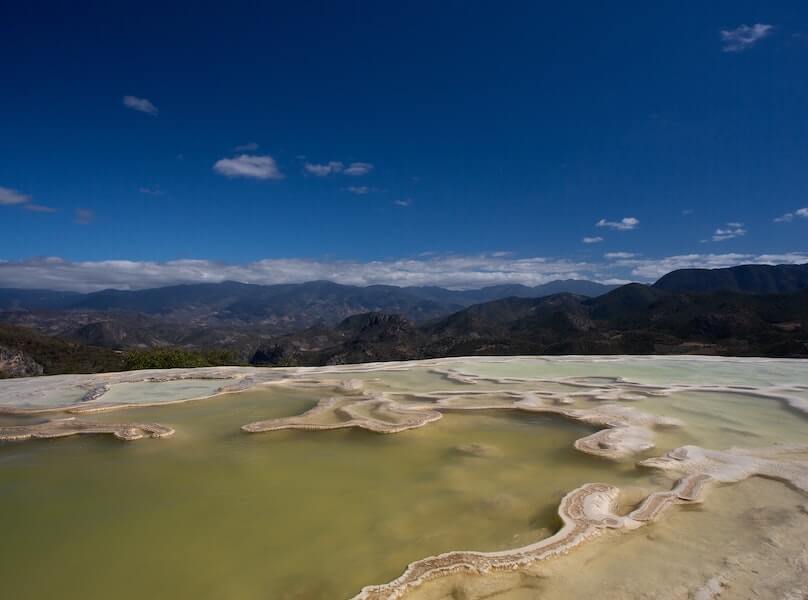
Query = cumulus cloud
x=786 y=218
x=592 y=240
x=732 y=230
x=452 y=271
x=84 y=216
x=250 y=166
x=322 y=170
x=248 y=147
x=619 y=255
x=140 y=104
x=624 y=224
x=9 y=197
x=358 y=168
x=744 y=36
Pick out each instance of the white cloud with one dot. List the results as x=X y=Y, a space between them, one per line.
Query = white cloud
x=403 y=203
x=619 y=255
x=360 y=189
x=786 y=218
x=9 y=197
x=358 y=168
x=457 y=272
x=744 y=36
x=453 y=271
x=322 y=170
x=335 y=166
x=650 y=269
x=38 y=208
x=615 y=281
x=592 y=240
x=152 y=190
x=687 y=212
x=248 y=147
x=732 y=230
x=84 y=216
x=246 y=165
x=140 y=104
x=624 y=224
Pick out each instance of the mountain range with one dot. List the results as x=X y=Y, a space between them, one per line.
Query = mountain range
x=231 y=299
x=748 y=310
x=634 y=319
x=236 y=314
x=747 y=279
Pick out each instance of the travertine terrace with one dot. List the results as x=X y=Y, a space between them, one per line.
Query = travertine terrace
x=691 y=424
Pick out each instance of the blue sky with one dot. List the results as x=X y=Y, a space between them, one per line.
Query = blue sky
x=371 y=142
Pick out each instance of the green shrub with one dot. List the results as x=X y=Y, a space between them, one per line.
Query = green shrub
x=174 y=358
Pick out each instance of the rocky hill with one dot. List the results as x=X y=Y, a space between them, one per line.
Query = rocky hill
x=749 y=279
x=634 y=319
x=25 y=353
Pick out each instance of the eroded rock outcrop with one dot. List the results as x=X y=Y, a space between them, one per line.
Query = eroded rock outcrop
x=15 y=363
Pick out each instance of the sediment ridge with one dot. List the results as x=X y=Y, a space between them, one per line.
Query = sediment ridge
x=59 y=428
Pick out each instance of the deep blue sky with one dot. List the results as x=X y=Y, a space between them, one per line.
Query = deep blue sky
x=503 y=126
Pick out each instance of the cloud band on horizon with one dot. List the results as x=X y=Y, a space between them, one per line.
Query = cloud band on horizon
x=451 y=271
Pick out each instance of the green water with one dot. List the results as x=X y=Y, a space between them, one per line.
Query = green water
x=648 y=370
x=215 y=513
x=721 y=420
x=165 y=391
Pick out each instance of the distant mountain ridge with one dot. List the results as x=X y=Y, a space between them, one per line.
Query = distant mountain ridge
x=634 y=319
x=719 y=311
x=234 y=300
x=748 y=279
x=22 y=299
x=282 y=307
x=167 y=298
x=264 y=324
